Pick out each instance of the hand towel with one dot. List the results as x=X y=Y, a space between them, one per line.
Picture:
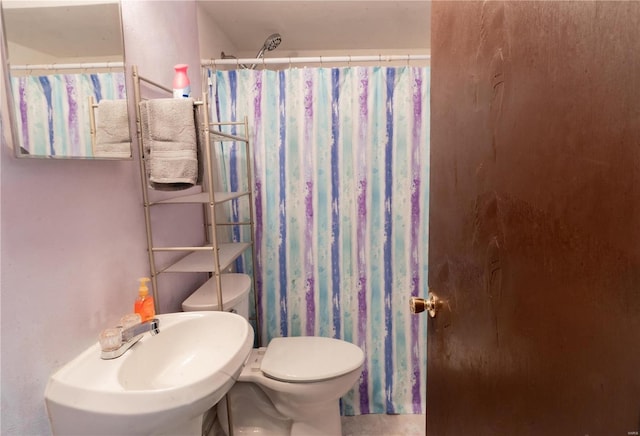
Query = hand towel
x=112 y=130
x=144 y=127
x=170 y=142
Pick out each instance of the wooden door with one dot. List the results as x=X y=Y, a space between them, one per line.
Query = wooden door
x=535 y=219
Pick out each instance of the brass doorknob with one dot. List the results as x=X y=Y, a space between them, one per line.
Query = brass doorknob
x=419 y=305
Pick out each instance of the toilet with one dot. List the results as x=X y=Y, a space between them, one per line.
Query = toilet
x=292 y=386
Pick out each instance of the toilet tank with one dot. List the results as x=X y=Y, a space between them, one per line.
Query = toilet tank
x=235 y=295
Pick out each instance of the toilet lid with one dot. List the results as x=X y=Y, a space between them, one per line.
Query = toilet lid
x=310 y=358
x=234 y=288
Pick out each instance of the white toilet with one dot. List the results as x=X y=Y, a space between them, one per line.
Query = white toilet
x=290 y=387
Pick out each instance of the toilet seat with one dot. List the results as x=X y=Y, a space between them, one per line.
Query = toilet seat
x=309 y=359
x=295 y=385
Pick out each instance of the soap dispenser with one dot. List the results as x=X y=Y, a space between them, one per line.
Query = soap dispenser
x=144 y=303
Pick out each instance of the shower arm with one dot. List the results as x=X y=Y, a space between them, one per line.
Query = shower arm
x=224 y=56
x=271 y=43
x=243 y=65
x=258 y=56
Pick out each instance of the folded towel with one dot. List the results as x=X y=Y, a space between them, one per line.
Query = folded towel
x=144 y=127
x=170 y=143
x=112 y=130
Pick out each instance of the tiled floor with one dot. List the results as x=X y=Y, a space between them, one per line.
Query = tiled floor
x=383 y=425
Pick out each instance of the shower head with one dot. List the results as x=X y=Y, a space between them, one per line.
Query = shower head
x=270 y=44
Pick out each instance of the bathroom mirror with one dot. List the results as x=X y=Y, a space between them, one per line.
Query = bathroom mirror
x=66 y=68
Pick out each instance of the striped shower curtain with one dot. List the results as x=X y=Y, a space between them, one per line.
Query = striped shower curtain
x=53 y=111
x=341 y=168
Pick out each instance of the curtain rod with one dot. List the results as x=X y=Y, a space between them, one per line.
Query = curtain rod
x=314 y=59
x=80 y=66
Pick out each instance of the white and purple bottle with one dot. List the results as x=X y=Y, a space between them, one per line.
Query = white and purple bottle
x=181 y=85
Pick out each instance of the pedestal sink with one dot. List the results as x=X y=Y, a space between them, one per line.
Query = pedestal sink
x=160 y=386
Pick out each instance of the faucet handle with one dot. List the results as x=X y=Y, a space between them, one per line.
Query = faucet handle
x=110 y=339
x=130 y=319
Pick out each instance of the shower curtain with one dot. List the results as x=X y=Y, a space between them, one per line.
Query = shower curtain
x=341 y=171
x=67 y=133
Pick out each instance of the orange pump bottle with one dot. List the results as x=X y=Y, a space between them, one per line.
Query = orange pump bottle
x=144 y=303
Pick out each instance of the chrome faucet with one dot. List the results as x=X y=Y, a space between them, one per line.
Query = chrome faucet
x=123 y=339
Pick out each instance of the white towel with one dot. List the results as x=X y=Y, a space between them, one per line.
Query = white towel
x=170 y=143
x=112 y=130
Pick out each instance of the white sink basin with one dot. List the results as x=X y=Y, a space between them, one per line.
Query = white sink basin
x=161 y=385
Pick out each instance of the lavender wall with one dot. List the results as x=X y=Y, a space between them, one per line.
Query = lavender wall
x=73 y=238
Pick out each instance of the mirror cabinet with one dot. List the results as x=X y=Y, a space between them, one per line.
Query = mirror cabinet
x=67 y=78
